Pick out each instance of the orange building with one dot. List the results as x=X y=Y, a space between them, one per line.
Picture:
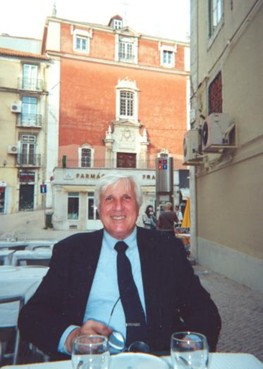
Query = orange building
x=122 y=98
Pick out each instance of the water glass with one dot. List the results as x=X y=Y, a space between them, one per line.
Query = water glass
x=90 y=352
x=189 y=350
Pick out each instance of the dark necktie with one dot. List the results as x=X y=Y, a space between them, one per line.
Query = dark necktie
x=133 y=310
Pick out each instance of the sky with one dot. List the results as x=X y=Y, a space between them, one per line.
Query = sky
x=163 y=18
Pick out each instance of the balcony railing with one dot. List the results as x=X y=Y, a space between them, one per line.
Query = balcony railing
x=30 y=120
x=31 y=84
x=103 y=163
x=28 y=160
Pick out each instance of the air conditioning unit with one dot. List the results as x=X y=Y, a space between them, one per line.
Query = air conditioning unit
x=16 y=107
x=12 y=149
x=215 y=132
x=192 y=147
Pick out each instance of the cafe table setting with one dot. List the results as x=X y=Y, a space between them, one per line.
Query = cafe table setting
x=15 y=280
x=37 y=254
x=189 y=350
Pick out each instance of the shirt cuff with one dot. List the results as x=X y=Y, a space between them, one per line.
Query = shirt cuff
x=61 y=345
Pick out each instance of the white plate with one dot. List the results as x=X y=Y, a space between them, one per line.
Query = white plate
x=137 y=361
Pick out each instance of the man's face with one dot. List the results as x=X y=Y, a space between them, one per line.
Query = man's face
x=118 y=209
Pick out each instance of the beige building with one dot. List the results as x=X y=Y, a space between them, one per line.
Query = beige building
x=225 y=144
x=23 y=109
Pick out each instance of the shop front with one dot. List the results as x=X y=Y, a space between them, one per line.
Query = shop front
x=73 y=196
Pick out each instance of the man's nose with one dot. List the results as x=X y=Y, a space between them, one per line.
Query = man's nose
x=118 y=204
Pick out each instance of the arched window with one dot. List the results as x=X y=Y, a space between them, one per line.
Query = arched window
x=126 y=100
x=86 y=156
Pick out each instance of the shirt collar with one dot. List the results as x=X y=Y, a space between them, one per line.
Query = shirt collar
x=131 y=240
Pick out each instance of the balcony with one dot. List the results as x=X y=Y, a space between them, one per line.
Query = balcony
x=104 y=164
x=31 y=84
x=30 y=120
x=28 y=160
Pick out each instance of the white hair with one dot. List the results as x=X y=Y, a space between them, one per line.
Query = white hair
x=115 y=177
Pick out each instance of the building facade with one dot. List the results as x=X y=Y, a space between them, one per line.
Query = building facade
x=122 y=100
x=227 y=137
x=23 y=100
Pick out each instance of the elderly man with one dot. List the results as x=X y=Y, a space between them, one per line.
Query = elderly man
x=139 y=280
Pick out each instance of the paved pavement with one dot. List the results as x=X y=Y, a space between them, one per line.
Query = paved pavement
x=240 y=307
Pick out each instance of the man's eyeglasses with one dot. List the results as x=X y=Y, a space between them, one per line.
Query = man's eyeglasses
x=117 y=341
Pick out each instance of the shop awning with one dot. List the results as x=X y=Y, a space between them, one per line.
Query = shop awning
x=185 y=193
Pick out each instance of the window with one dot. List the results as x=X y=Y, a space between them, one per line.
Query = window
x=168 y=55
x=126 y=100
x=28 y=149
x=215 y=95
x=81 y=43
x=126 y=103
x=85 y=158
x=29 y=80
x=126 y=51
x=73 y=205
x=117 y=23
x=29 y=111
x=81 y=40
x=215 y=15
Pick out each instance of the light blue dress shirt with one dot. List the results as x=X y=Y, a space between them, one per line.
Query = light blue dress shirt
x=105 y=291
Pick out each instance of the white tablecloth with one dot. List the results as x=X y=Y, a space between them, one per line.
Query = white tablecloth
x=28 y=254
x=17 y=281
x=217 y=361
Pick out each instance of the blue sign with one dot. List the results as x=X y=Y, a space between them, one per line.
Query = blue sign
x=43 y=188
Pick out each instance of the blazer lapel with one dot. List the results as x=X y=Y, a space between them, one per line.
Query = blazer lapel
x=83 y=271
x=151 y=275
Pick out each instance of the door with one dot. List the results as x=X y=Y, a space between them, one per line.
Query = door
x=26 y=197
x=29 y=111
x=30 y=77
x=93 y=219
x=126 y=160
x=28 y=146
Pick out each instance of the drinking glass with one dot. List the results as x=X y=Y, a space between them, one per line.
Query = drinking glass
x=189 y=350
x=90 y=352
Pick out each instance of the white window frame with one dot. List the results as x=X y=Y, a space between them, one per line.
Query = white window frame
x=216 y=12
x=117 y=23
x=168 y=49
x=130 y=45
x=79 y=34
x=129 y=87
x=73 y=195
x=30 y=77
x=86 y=146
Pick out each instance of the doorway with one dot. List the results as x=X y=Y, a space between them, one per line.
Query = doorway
x=26 y=197
x=126 y=160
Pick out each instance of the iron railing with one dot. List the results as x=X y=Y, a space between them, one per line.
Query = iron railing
x=31 y=84
x=103 y=163
x=29 y=120
x=28 y=160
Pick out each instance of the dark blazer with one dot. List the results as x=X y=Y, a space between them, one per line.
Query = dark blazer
x=174 y=297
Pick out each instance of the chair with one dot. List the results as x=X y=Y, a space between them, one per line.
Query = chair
x=33 y=262
x=6 y=333
x=44 y=247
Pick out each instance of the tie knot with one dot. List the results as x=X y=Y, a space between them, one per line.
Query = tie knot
x=121 y=246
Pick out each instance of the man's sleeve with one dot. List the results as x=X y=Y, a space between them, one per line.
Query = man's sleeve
x=42 y=320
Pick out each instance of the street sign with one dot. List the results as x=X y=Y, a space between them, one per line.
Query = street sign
x=43 y=188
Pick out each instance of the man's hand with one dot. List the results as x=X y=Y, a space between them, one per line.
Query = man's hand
x=90 y=327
